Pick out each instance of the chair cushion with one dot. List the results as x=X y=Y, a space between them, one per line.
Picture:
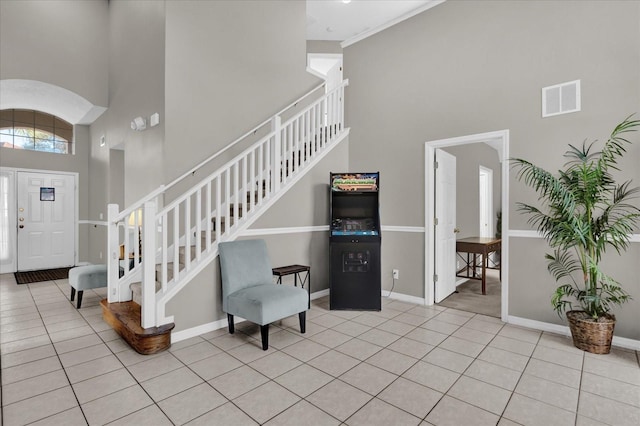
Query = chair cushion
x=243 y=263
x=89 y=276
x=264 y=304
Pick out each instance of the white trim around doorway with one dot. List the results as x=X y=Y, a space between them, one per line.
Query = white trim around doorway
x=499 y=140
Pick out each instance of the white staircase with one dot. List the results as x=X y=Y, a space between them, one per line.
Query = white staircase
x=167 y=241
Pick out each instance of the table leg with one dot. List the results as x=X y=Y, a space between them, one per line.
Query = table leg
x=484 y=272
x=475 y=265
x=468 y=264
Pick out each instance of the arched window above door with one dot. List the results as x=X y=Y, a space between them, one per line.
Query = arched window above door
x=35 y=131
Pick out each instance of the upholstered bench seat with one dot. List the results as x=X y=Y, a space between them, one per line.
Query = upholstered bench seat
x=86 y=277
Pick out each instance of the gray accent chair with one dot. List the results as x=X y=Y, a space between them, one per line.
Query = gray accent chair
x=248 y=290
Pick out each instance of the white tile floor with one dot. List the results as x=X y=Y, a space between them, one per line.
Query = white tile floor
x=407 y=364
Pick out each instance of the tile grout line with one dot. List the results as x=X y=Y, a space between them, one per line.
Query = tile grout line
x=540 y=343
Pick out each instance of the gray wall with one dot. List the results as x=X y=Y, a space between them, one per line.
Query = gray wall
x=323 y=46
x=306 y=204
x=229 y=66
x=471 y=67
x=468 y=160
x=60 y=42
x=76 y=58
x=136 y=88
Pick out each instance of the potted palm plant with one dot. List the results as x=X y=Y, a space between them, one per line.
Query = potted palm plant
x=584 y=211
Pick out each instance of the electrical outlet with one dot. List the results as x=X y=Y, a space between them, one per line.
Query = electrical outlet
x=396 y=274
x=100 y=255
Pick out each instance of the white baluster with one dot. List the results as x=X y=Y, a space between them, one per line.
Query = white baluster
x=148 y=313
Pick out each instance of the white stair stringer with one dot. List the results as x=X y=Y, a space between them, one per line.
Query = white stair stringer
x=243 y=224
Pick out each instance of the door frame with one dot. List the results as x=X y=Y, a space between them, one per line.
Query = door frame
x=14 y=223
x=499 y=140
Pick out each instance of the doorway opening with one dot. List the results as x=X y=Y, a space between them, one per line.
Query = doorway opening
x=327 y=66
x=498 y=141
x=485 y=196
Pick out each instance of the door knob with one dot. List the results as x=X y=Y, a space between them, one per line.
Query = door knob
x=456 y=230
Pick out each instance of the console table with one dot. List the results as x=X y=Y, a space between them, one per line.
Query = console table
x=477 y=246
x=295 y=270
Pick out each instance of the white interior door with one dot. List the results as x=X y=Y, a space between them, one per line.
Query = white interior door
x=445 y=242
x=46 y=220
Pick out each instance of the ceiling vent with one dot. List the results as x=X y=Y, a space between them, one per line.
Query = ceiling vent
x=561 y=98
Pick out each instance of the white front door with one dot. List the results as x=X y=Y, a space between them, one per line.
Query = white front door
x=46 y=220
x=445 y=250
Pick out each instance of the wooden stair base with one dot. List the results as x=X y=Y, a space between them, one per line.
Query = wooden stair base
x=124 y=317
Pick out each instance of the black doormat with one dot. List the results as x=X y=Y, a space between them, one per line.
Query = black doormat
x=44 y=275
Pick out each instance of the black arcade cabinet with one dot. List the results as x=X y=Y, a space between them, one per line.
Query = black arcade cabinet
x=354 y=244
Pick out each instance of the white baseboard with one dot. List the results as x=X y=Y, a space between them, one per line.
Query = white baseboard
x=318 y=294
x=461 y=281
x=403 y=297
x=188 y=333
x=178 y=336
x=621 y=342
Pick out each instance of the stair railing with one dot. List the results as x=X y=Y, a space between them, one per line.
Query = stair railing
x=184 y=234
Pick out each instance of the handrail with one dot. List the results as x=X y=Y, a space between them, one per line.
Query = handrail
x=294 y=103
x=212 y=176
x=182 y=238
x=163 y=188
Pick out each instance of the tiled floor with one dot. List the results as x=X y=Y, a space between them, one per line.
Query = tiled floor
x=405 y=365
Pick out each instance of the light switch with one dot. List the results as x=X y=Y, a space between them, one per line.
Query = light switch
x=154 y=119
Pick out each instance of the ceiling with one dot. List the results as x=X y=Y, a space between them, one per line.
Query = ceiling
x=351 y=21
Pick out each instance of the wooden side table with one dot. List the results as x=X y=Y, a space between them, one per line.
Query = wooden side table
x=478 y=246
x=295 y=270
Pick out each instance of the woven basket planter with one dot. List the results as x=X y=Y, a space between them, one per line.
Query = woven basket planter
x=589 y=335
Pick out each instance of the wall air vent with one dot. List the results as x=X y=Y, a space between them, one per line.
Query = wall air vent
x=561 y=98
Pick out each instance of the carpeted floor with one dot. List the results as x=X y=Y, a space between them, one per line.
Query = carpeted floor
x=43 y=275
x=469 y=297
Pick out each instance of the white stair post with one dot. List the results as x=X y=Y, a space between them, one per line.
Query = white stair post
x=113 y=254
x=276 y=153
x=148 y=314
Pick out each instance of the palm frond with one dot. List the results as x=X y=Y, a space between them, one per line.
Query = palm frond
x=562 y=264
x=614 y=147
x=583 y=211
